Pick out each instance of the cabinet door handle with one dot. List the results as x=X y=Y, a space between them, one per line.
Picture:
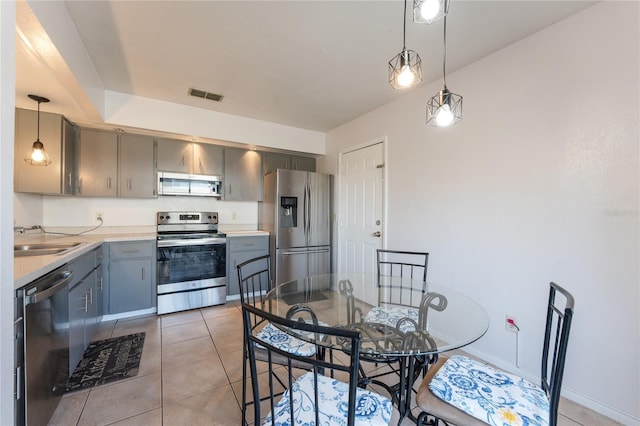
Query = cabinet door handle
x=229 y=188
x=129 y=251
x=129 y=186
x=100 y=281
x=109 y=182
x=69 y=179
x=142 y=274
x=86 y=303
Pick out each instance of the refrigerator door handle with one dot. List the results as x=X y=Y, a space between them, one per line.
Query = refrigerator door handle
x=291 y=253
x=308 y=209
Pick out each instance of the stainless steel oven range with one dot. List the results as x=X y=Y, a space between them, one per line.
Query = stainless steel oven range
x=191 y=261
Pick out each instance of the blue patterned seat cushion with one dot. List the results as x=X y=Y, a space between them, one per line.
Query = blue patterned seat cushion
x=493 y=396
x=286 y=342
x=333 y=401
x=390 y=315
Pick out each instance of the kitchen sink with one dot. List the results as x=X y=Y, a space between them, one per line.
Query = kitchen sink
x=43 y=249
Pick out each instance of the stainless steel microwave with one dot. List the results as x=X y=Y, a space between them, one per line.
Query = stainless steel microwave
x=189 y=185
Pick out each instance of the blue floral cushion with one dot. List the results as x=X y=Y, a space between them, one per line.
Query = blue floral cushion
x=283 y=341
x=333 y=399
x=390 y=315
x=493 y=396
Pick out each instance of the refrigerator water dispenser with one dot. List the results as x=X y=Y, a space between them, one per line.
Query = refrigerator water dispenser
x=289 y=212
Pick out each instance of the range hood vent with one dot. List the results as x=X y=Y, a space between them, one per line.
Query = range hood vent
x=205 y=95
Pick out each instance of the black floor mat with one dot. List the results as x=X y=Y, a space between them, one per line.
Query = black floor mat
x=106 y=361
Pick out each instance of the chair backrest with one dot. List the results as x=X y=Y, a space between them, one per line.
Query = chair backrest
x=340 y=361
x=556 y=337
x=397 y=263
x=254 y=278
x=404 y=264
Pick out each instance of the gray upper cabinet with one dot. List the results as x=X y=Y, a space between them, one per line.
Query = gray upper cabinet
x=242 y=175
x=273 y=160
x=57 y=135
x=175 y=156
x=208 y=159
x=97 y=156
x=137 y=178
x=307 y=164
x=187 y=157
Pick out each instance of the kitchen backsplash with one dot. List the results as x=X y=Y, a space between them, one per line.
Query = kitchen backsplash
x=54 y=211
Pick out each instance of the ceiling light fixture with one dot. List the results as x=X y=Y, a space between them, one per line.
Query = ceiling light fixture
x=405 y=69
x=445 y=108
x=429 y=11
x=37 y=156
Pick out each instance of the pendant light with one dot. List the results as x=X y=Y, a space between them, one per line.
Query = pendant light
x=445 y=108
x=37 y=156
x=429 y=11
x=405 y=69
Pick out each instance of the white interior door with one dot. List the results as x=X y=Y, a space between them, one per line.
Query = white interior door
x=361 y=220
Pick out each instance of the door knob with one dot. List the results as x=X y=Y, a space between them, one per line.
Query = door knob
x=376 y=234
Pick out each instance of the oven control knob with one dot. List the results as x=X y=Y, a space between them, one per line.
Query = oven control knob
x=168 y=217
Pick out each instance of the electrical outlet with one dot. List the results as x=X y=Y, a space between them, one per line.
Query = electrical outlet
x=511 y=324
x=99 y=216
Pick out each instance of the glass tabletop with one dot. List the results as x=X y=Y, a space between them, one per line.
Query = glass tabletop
x=396 y=316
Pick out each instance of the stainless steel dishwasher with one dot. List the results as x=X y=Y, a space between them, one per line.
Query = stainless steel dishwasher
x=42 y=346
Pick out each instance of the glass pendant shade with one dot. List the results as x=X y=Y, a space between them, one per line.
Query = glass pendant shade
x=37 y=156
x=405 y=70
x=444 y=109
x=429 y=11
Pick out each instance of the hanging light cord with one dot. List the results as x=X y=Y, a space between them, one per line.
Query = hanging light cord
x=38 y=133
x=444 y=55
x=404 y=27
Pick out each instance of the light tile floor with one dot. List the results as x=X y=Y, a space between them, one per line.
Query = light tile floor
x=190 y=374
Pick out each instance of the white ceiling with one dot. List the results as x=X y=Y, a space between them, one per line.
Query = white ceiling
x=308 y=64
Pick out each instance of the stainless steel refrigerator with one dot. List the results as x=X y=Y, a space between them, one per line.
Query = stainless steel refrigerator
x=296 y=211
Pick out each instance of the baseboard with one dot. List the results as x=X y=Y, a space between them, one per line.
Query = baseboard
x=123 y=315
x=578 y=398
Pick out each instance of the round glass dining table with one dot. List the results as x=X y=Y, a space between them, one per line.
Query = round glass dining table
x=398 y=317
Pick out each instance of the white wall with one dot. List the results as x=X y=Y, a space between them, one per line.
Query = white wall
x=538 y=183
x=79 y=211
x=7 y=105
x=54 y=211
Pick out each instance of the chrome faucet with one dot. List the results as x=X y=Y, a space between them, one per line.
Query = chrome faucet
x=18 y=229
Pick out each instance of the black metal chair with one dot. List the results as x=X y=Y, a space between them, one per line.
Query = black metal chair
x=403 y=310
x=254 y=277
x=324 y=392
x=491 y=396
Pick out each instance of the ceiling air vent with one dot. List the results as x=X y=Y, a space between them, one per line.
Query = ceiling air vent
x=205 y=95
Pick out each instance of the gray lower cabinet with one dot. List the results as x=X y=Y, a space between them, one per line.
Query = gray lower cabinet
x=85 y=303
x=240 y=249
x=131 y=276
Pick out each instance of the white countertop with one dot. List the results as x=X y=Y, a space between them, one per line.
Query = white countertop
x=29 y=268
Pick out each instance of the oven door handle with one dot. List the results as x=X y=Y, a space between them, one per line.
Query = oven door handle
x=191 y=242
